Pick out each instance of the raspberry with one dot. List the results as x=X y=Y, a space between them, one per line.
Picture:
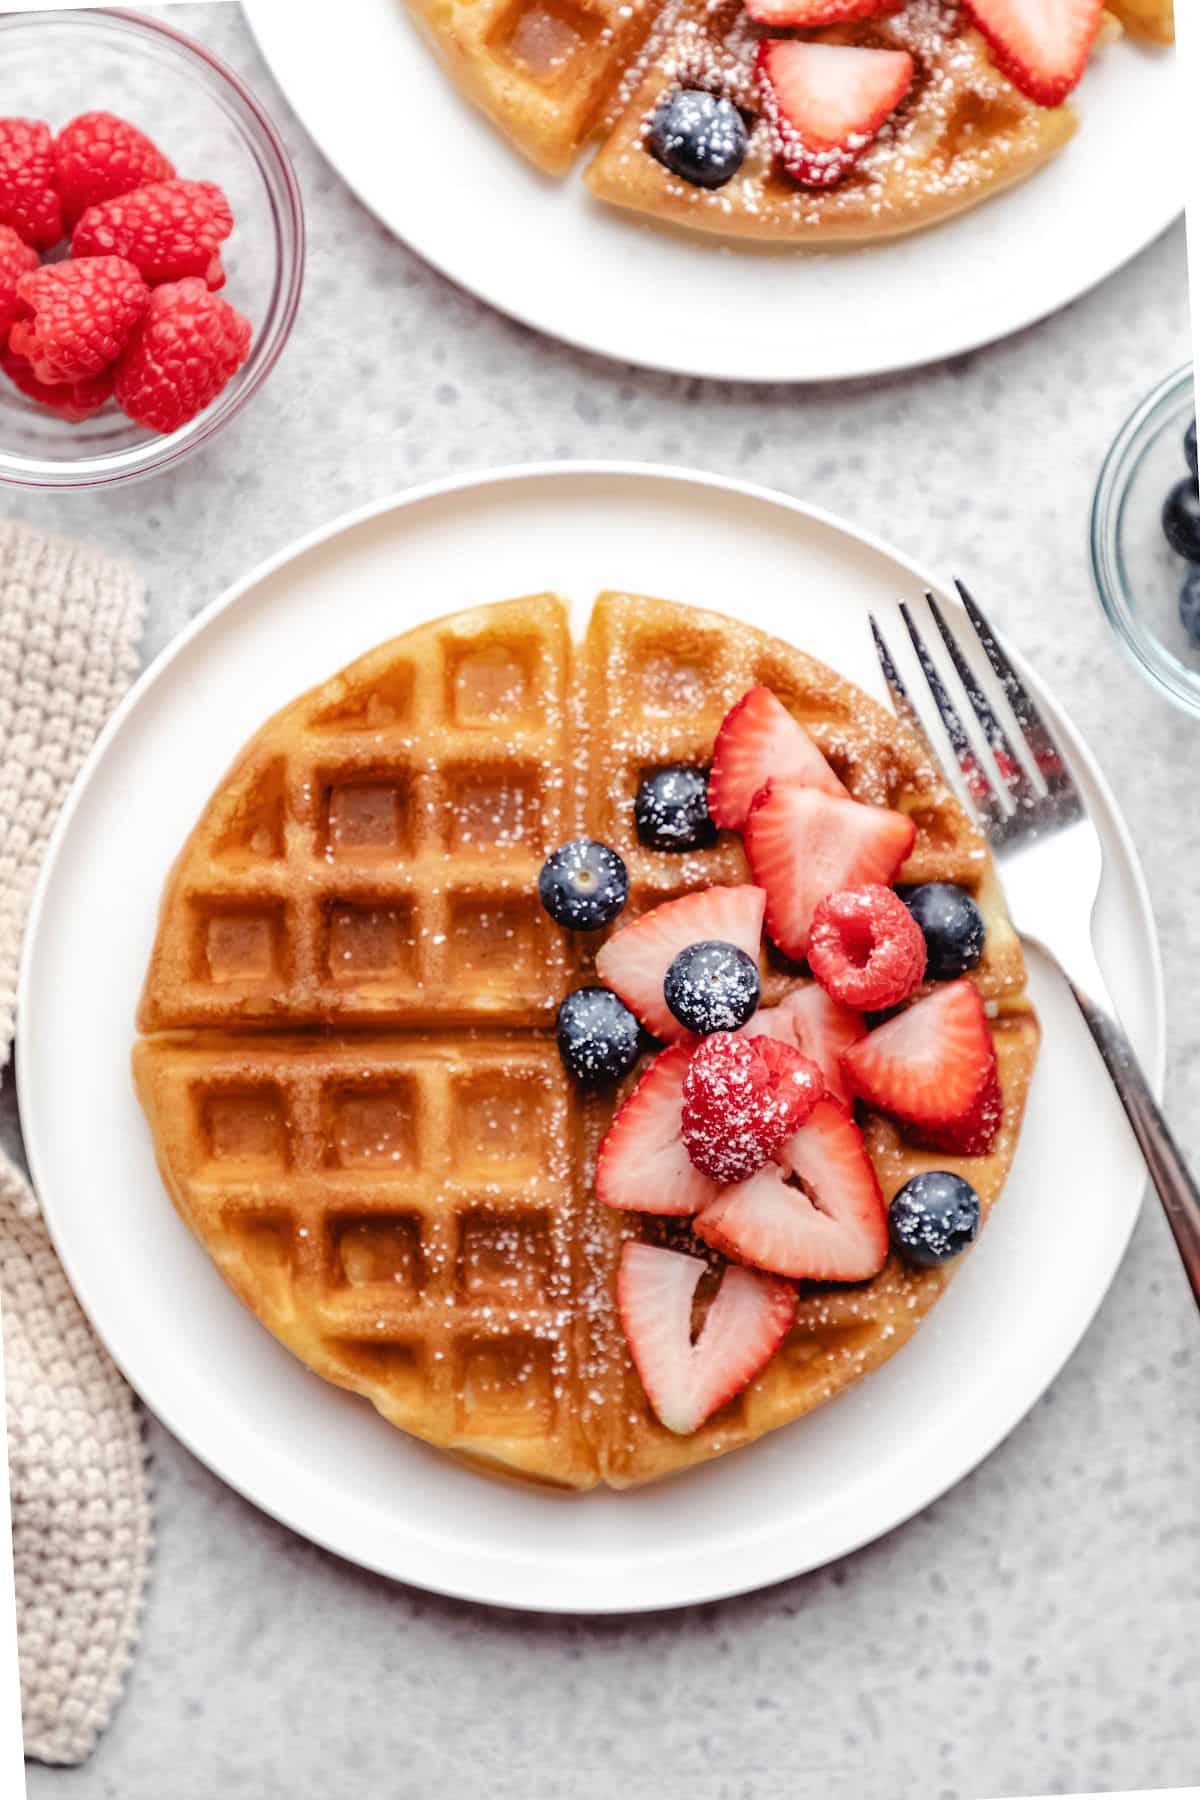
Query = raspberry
x=82 y=315
x=98 y=156
x=17 y=258
x=742 y=1098
x=169 y=231
x=187 y=346
x=865 y=948
x=73 y=401
x=28 y=201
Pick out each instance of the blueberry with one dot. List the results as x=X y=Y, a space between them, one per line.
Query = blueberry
x=598 y=1036
x=1189 y=605
x=584 y=885
x=1181 y=519
x=1189 y=448
x=952 y=925
x=933 y=1218
x=671 y=809
x=699 y=136
x=712 y=987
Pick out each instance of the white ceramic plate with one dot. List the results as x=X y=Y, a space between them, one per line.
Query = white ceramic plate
x=437 y=173
x=314 y=1456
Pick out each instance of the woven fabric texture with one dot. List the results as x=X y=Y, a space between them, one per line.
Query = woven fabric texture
x=70 y=619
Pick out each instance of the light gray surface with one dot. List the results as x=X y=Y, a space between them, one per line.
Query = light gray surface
x=1037 y=1630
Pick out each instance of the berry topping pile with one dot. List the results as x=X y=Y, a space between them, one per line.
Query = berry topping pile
x=745 y=1126
x=131 y=313
x=671 y=809
x=825 y=101
x=584 y=885
x=742 y=1096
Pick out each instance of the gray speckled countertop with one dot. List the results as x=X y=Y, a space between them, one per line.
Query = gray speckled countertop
x=1036 y=1631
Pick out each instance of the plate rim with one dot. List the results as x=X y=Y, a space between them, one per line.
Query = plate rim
x=492 y=1591
x=528 y=314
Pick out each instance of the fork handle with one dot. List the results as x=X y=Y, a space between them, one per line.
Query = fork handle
x=1164 y=1159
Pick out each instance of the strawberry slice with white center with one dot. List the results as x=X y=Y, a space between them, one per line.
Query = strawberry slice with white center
x=932 y=1066
x=1042 y=46
x=826 y=102
x=643 y=1164
x=816 y=1214
x=635 y=960
x=800 y=13
x=804 y=844
x=819 y=1026
x=687 y=1382
x=759 y=738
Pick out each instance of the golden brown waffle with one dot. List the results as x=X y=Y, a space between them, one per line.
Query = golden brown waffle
x=554 y=74
x=380 y=1150
x=1153 y=19
x=542 y=70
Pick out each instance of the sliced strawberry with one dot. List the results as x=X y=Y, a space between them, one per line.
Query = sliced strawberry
x=932 y=1065
x=976 y=1134
x=759 y=738
x=825 y=102
x=801 y=13
x=635 y=960
x=815 y=1214
x=1042 y=46
x=819 y=1026
x=686 y=1382
x=643 y=1164
x=804 y=844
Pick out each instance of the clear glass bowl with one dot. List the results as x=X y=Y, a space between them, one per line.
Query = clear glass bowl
x=1138 y=576
x=58 y=64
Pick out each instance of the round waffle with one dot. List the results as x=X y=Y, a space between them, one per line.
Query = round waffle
x=555 y=75
x=348 y=1061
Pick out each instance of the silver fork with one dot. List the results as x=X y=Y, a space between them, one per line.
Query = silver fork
x=1049 y=855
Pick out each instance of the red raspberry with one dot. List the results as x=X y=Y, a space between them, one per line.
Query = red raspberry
x=28 y=201
x=82 y=315
x=73 y=401
x=188 y=345
x=17 y=258
x=98 y=156
x=865 y=948
x=742 y=1098
x=169 y=231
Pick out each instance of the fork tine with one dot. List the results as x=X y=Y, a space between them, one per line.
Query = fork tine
x=983 y=796
x=1009 y=767
x=1047 y=756
x=900 y=700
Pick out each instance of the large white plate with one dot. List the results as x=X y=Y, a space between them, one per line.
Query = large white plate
x=373 y=96
x=321 y=1460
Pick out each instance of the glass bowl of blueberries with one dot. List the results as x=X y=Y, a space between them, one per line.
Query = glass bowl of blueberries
x=1145 y=540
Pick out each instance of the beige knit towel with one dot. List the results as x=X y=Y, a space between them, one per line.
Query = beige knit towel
x=70 y=619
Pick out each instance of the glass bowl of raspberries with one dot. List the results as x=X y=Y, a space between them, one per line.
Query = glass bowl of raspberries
x=151 y=247
x=1145 y=540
